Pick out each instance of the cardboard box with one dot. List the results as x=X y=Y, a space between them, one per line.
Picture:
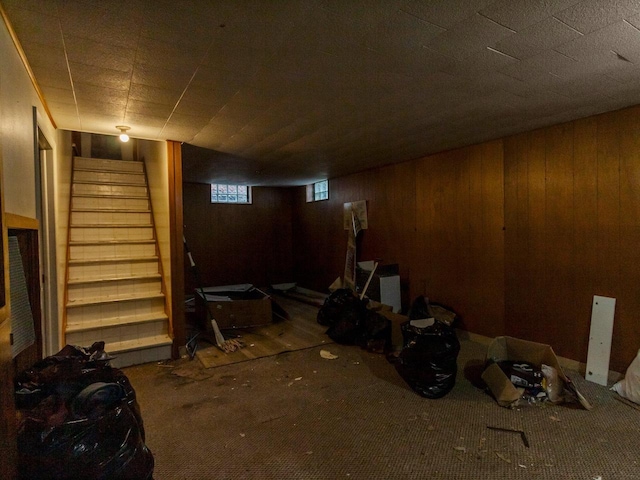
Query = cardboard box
x=234 y=307
x=384 y=286
x=396 y=319
x=514 y=349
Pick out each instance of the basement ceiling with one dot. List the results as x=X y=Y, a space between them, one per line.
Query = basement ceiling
x=286 y=92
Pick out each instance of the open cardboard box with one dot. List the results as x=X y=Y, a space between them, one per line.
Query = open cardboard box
x=514 y=349
x=236 y=306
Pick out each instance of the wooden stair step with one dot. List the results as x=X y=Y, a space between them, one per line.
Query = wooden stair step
x=108 y=260
x=107 y=170
x=110 y=242
x=111 y=209
x=141 y=343
x=119 y=184
x=111 y=225
x=78 y=281
x=111 y=195
x=113 y=299
x=115 y=322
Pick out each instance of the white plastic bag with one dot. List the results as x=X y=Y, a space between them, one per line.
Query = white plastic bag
x=629 y=386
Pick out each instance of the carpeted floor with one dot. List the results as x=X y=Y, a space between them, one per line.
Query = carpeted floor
x=297 y=415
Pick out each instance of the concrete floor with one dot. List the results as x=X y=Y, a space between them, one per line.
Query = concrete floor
x=299 y=416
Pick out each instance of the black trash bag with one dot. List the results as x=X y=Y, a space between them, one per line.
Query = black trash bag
x=79 y=418
x=423 y=308
x=333 y=306
x=428 y=359
x=375 y=332
x=343 y=312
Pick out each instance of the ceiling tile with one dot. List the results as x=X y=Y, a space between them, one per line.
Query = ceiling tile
x=96 y=75
x=100 y=123
x=361 y=12
x=198 y=109
x=59 y=95
x=240 y=115
x=179 y=133
x=146 y=93
x=212 y=97
x=544 y=35
x=635 y=21
x=90 y=92
x=473 y=34
x=48 y=77
x=45 y=58
x=160 y=77
x=312 y=87
x=328 y=32
x=542 y=64
x=157 y=53
x=143 y=120
x=101 y=23
x=445 y=13
x=217 y=79
x=35 y=6
x=480 y=62
x=38 y=27
x=105 y=55
x=402 y=30
x=65 y=122
x=192 y=121
x=145 y=130
x=520 y=14
x=621 y=37
x=152 y=109
x=590 y=15
x=89 y=106
x=232 y=57
x=62 y=109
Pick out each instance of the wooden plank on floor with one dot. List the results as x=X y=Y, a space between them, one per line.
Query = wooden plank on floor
x=301 y=331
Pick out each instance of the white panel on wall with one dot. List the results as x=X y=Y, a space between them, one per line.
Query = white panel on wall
x=602 y=313
x=21 y=317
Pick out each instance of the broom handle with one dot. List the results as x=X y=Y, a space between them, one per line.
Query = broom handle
x=216 y=330
x=366 y=285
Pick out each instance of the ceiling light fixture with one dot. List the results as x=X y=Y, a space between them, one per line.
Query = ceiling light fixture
x=123 y=132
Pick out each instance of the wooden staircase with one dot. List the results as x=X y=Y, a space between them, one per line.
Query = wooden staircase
x=114 y=290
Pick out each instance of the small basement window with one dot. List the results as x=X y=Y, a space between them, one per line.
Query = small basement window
x=318 y=191
x=226 y=193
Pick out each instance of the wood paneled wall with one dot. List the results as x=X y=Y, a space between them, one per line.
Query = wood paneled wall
x=439 y=218
x=238 y=243
x=320 y=241
x=459 y=256
x=572 y=207
x=516 y=234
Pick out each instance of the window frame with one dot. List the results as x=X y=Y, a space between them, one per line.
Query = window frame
x=314 y=194
x=229 y=189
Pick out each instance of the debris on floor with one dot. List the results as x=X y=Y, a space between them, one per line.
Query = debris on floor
x=326 y=354
x=520 y=372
